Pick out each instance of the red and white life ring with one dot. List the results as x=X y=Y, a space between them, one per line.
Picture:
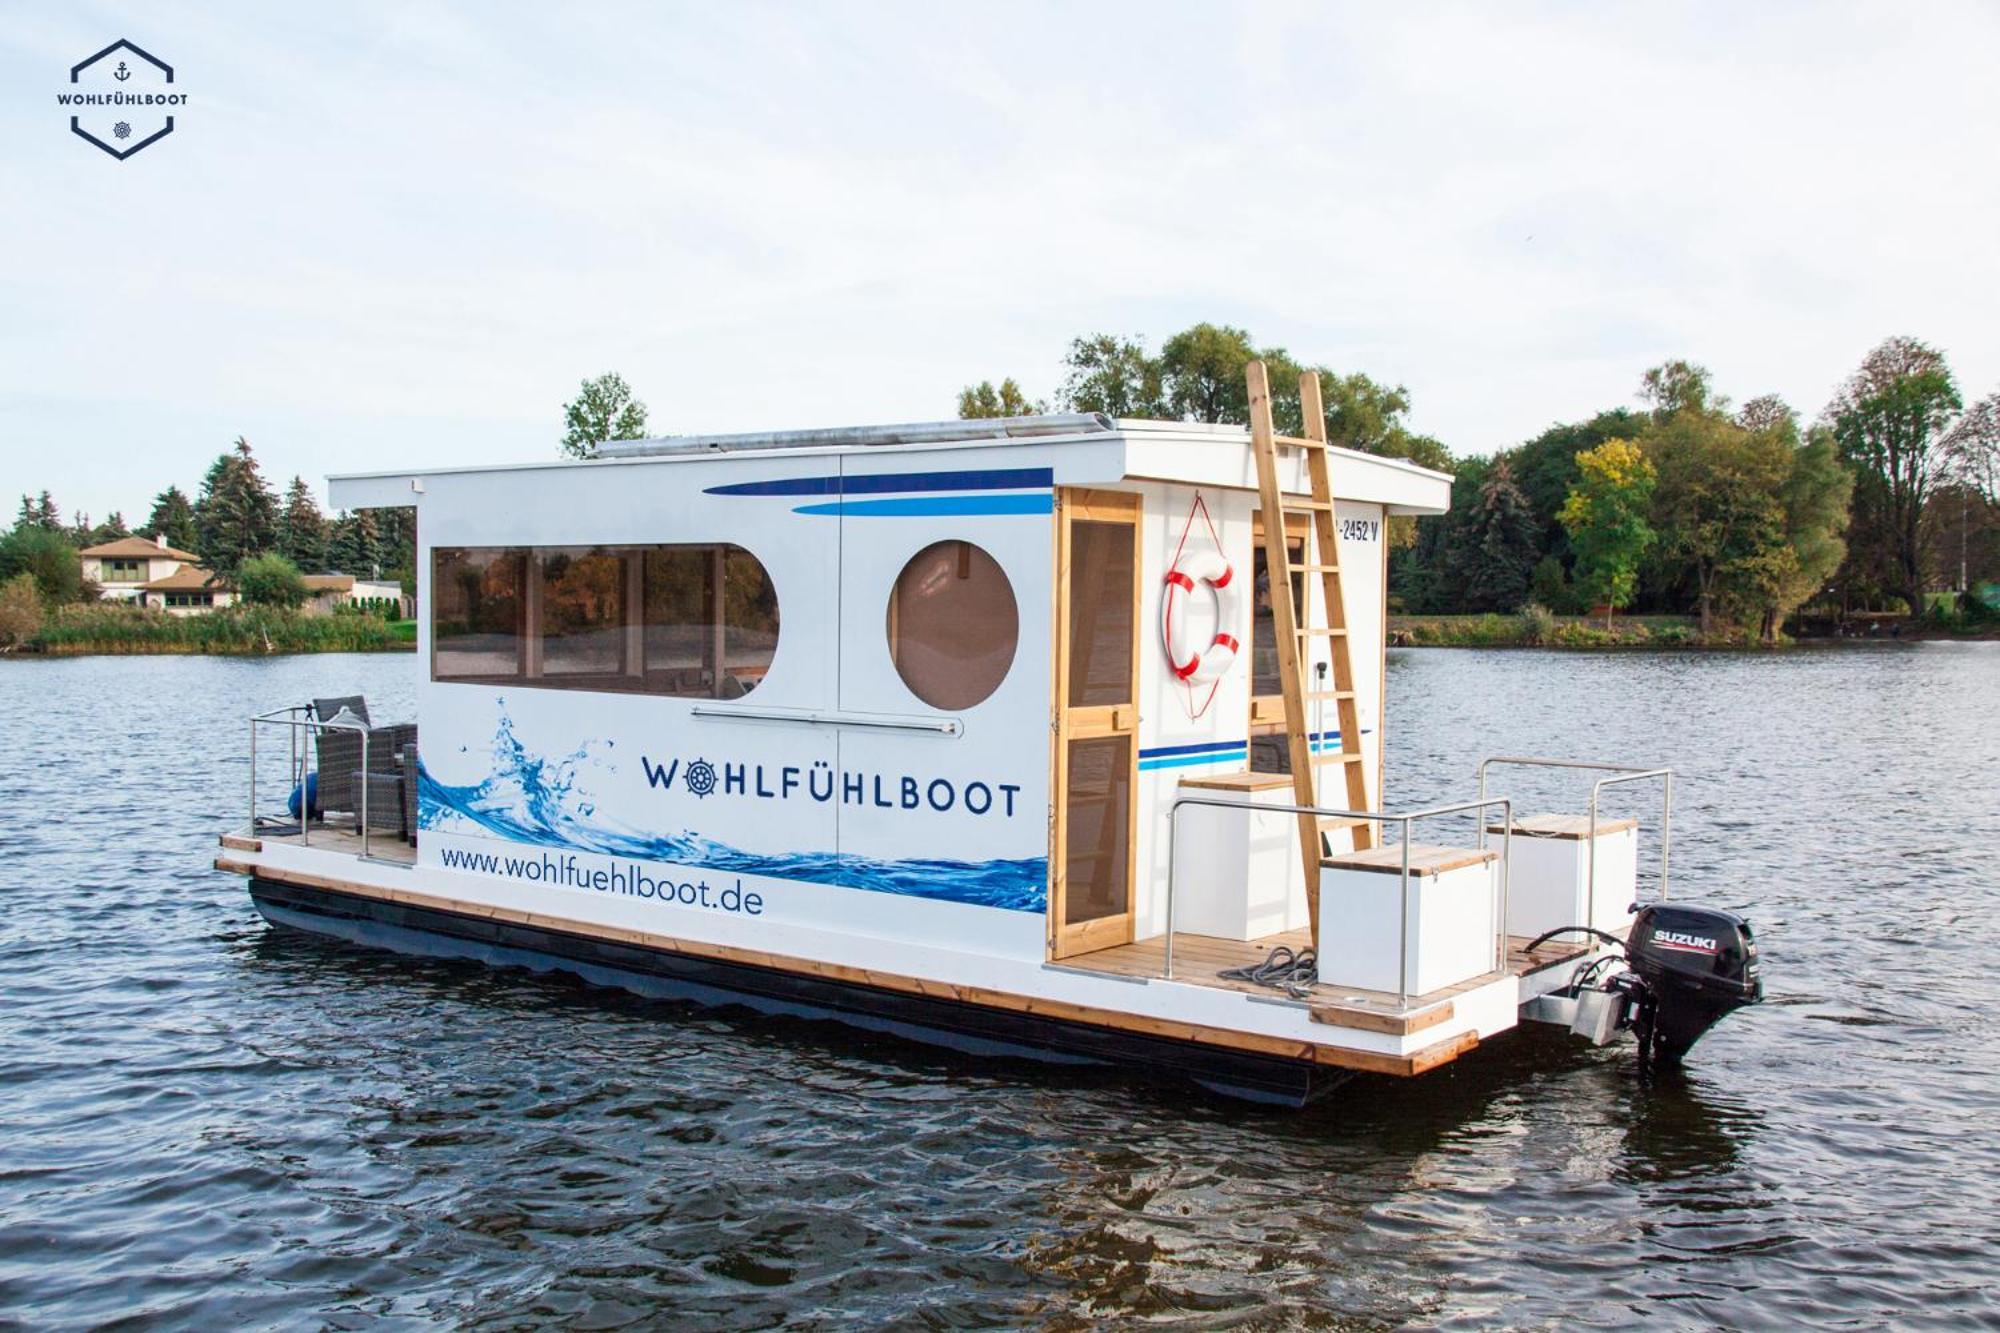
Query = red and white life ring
x=1214 y=661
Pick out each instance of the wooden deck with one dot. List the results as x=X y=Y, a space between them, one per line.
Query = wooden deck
x=383 y=845
x=1199 y=959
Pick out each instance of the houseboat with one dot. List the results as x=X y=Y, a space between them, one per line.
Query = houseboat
x=1057 y=737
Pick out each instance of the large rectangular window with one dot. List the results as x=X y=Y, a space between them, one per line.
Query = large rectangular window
x=124 y=571
x=695 y=621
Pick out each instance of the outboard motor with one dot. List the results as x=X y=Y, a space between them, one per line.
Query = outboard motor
x=1691 y=966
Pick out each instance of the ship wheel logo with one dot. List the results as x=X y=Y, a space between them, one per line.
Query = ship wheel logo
x=701 y=777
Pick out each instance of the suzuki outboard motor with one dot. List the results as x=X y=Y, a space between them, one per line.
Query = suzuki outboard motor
x=1693 y=965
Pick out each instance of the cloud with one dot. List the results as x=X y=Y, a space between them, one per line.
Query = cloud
x=392 y=233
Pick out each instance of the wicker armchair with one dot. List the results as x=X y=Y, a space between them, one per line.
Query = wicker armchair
x=383 y=779
x=339 y=752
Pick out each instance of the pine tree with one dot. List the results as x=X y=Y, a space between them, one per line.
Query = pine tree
x=110 y=530
x=237 y=516
x=302 y=528
x=39 y=512
x=172 y=519
x=353 y=546
x=1502 y=542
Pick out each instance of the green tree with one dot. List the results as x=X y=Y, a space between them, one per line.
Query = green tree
x=110 y=530
x=1814 y=499
x=353 y=544
x=49 y=557
x=1716 y=503
x=1500 y=544
x=603 y=409
x=396 y=539
x=1201 y=374
x=302 y=528
x=270 y=580
x=40 y=512
x=20 y=611
x=1892 y=420
x=1605 y=516
x=1114 y=376
x=1680 y=386
x=237 y=516
x=982 y=400
x=1545 y=467
x=172 y=519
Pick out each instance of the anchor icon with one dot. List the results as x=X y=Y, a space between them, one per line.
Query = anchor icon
x=121 y=73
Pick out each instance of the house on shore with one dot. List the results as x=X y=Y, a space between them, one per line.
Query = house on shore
x=189 y=591
x=124 y=567
x=326 y=592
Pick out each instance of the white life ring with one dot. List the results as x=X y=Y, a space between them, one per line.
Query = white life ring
x=1214 y=661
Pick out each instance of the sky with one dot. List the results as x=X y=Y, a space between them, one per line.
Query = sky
x=393 y=235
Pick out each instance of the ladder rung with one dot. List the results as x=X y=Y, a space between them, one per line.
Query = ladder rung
x=1337 y=823
x=1315 y=569
x=1338 y=757
x=1307 y=506
x=1297 y=443
x=1328 y=631
x=1328 y=694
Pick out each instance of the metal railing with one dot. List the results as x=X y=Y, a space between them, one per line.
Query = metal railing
x=1625 y=773
x=298 y=722
x=1374 y=816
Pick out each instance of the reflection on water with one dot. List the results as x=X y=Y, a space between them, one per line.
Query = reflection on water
x=211 y=1123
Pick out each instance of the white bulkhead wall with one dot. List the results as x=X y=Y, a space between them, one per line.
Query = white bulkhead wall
x=1172 y=743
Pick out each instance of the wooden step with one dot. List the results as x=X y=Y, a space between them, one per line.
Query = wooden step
x=1328 y=694
x=1292 y=506
x=1338 y=757
x=1298 y=442
x=1326 y=631
x=1381 y=1018
x=1425 y=858
x=1314 y=569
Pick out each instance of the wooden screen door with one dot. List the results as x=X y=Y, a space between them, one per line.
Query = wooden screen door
x=1097 y=720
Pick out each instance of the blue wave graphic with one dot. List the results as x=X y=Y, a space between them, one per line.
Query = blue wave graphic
x=528 y=798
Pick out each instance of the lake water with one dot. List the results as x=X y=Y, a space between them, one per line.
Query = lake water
x=205 y=1122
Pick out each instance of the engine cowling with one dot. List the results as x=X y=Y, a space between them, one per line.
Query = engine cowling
x=1697 y=964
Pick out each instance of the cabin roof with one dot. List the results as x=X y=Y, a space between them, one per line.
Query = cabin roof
x=1169 y=451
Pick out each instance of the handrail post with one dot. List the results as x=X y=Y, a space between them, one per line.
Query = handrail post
x=1506 y=875
x=1173 y=833
x=1666 y=832
x=253 y=775
x=1403 y=927
x=364 y=793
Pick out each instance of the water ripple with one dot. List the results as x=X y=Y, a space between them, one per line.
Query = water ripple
x=210 y=1123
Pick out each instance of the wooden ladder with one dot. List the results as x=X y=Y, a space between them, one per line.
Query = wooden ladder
x=1293 y=634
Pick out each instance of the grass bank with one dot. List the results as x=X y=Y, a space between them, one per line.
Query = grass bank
x=1540 y=629
x=102 y=627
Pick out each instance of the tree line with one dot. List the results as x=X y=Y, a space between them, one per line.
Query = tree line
x=236 y=525
x=1681 y=504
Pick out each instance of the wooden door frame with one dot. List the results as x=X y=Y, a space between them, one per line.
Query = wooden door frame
x=1067 y=724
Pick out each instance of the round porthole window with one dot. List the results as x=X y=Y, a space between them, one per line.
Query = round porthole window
x=953 y=625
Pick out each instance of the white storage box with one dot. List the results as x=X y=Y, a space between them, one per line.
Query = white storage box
x=1238 y=875
x=1550 y=884
x=1452 y=902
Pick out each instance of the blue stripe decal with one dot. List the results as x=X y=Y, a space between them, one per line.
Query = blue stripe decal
x=1236 y=756
x=996 y=479
x=935 y=506
x=1220 y=752
x=1200 y=748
